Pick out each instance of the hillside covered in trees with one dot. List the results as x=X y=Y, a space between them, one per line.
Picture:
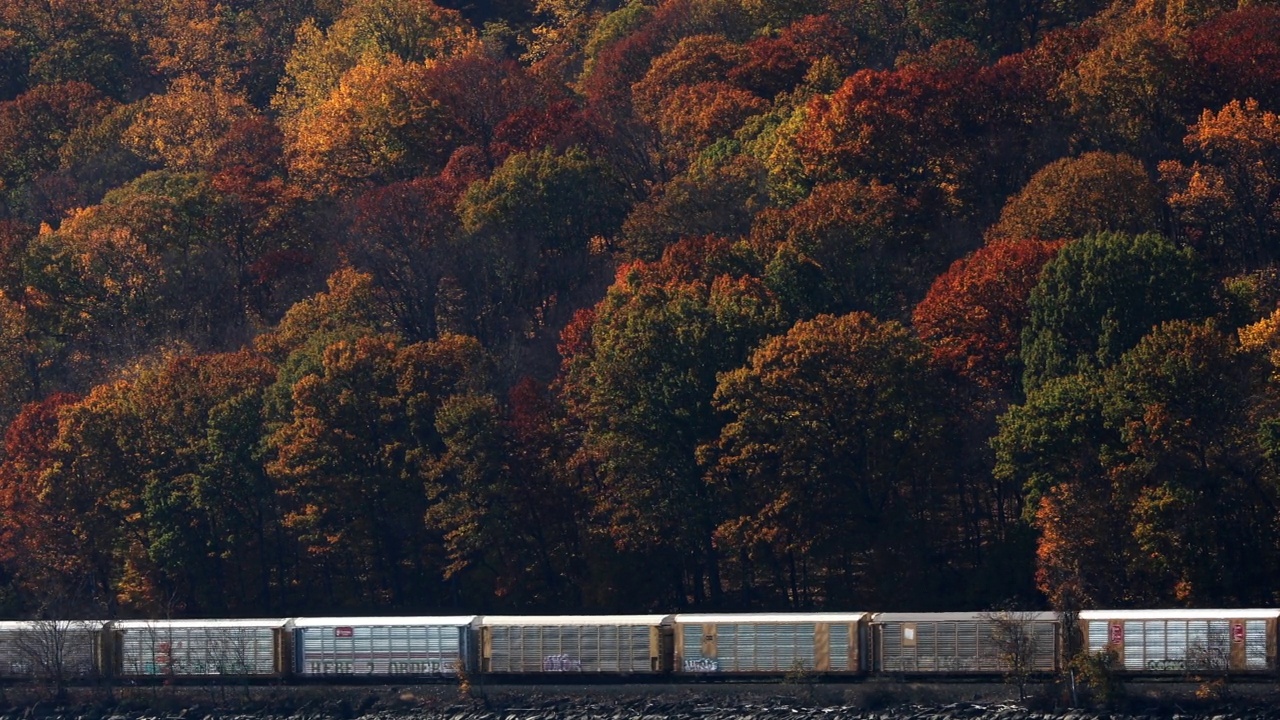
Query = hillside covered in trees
x=313 y=306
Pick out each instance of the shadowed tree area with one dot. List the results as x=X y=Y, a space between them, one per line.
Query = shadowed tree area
x=410 y=306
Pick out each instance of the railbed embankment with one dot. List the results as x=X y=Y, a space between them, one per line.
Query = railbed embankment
x=766 y=701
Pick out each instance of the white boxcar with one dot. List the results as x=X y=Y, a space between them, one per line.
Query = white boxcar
x=572 y=643
x=977 y=643
x=381 y=645
x=1178 y=641
x=769 y=642
x=49 y=648
x=199 y=648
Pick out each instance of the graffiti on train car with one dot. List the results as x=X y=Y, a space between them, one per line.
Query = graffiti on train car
x=195 y=667
x=1197 y=659
x=701 y=665
x=422 y=667
x=394 y=667
x=561 y=663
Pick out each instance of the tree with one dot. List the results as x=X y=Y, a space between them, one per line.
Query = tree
x=830 y=459
x=352 y=459
x=366 y=32
x=152 y=263
x=241 y=47
x=507 y=520
x=850 y=245
x=719 y=195
x=974 y=313
x=1160 y=455
x=901 y=127
x=379 y=124
x=1228 y=200
x=1237 y=56
x=57 y=650
x=1052 y=448
x=1015 y=635
x=1073 y=197
x=184 y=127
x=1131 y=93
x=28 y=550
x=530 y=228
x=640 y=390
x=91 y=43
x=20 y=372
x=694 y=60
x=33 y=127
x=1103 y=293
x=693 y=117
x=1183 y=402
x=346 y=311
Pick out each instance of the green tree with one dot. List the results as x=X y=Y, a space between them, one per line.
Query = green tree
x=351 y=463
x=510 y=525
x=1103 y=293
x=1051 y=448
x=530 y=229
x=1161 y=455
x=640 y=390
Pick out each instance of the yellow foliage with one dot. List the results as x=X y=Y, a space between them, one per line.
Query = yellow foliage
x=1264 y=336
x=182 y=128
x=378 y=121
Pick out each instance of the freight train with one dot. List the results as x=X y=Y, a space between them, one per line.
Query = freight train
x=635 y=648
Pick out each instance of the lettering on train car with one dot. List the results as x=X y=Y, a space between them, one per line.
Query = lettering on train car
x=701 y=665
x=331 y=667
x=420 y=667
x=561 y=663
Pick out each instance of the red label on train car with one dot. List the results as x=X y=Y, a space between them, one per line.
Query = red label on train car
x=1237 y=632
x=343 y=632
x=1117 y=633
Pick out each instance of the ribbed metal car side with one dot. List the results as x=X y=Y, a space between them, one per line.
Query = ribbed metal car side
x=49 y=649
x=965 y=643
x=1181 y=641
x=769 y=643
x=200 y=648
x=624 y=644
x=382 y=646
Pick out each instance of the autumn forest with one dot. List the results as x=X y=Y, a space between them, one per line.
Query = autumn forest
x=374 y=306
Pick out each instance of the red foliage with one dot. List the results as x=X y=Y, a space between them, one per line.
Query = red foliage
x=479 y=92
x=558 y=125
x=974 y=313
x=911 y=124
x=1238 y=56
x=575 y=339
x=27 y=453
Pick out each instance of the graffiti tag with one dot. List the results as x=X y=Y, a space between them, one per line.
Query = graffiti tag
x=561 y=663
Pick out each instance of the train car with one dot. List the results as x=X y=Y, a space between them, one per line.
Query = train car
x=1182 y=641
x=769 y=643
x=47 y=649
x=200 y=648
x=597 y=644
x=965 y=643
x=382 y=646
